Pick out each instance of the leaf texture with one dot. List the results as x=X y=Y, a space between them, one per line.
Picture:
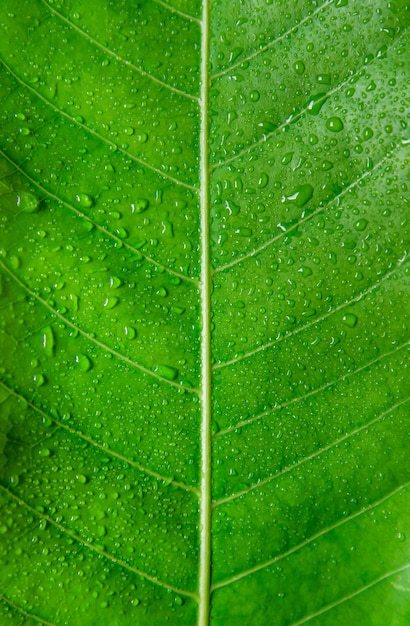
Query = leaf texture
x=205 y=323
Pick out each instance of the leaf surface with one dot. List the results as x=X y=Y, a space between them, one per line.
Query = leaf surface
x=204 y=380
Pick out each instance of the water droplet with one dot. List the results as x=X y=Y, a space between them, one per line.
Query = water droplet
x=234 y=54
x=85 y=200
x=263 y=180
x=166 y=371
x=83 y=362
x=14 y=262
x=130 y=332
x=255 y=95
x=361 y=224
x=316 y=102
x=27 y=202
x=167 y=228
x=350 y=320
x=142 y=137
x=301 y=195
x=244 y=232
x=324 y=79
x=47 y=340
x=334 y=124
x=305 y=271
x=39 y=379
x=267 y=127
x=162 y=292
x=121 y=233
x=115 y=282
x=110 y=303
x=81 y=478
x=129 y=130
x=299 y=67
x=140 y=206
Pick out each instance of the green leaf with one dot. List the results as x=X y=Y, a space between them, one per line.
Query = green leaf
x=204 y=380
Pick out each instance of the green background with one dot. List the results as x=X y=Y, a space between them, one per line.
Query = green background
x=100 y=390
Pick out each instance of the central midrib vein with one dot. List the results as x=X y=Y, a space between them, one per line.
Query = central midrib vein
x=205 y=502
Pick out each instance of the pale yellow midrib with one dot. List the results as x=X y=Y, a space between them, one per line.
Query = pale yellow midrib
x=205 y=492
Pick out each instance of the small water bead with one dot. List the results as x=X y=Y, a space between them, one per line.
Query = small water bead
x=111 y=302
x=324 y=79
x=316 y=102
x=39 y=379
x=15 y=262
x=361 y=224
x=350 y=320
x=27 y=202
x=166 y=371
x=130 y=332
x=162 y=292
x=334 y=124
x=115 y=282
x=83 y=362
x=142 y=137
x=301 y=195
x=85 y=200
x=263 y=180
x=121 y=233
x=267 y=127
x=254 y=95
x=244 y=232
x=139 y=206
x=47 y=340
x=299 y=67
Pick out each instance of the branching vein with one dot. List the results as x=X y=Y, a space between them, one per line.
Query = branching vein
x=294 y=118
x=97 y=134
x=333 y=605
x=116 y=56
x=316 y=212
x=103 y=448
x=90 y=546
x=92 y=339
x=315 y=454
x=309 y=540
x=342 y=306
x=177 y=11
x=273 y=42
x=309 y=394
x=27 y=615
x=106 y=232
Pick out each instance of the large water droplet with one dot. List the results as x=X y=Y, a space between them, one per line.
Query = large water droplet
x=27 y=202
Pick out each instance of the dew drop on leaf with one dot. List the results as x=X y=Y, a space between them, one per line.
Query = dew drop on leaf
x=361 y=224
x=350 y=320
x=166 y=371
x=139 y=206
x=299 y=67
x=334 y=124
x=85 y=200
x=83 y=362
x=27 y=202
x=111 y=302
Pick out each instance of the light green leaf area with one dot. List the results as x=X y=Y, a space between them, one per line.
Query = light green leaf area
x=204 y=383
